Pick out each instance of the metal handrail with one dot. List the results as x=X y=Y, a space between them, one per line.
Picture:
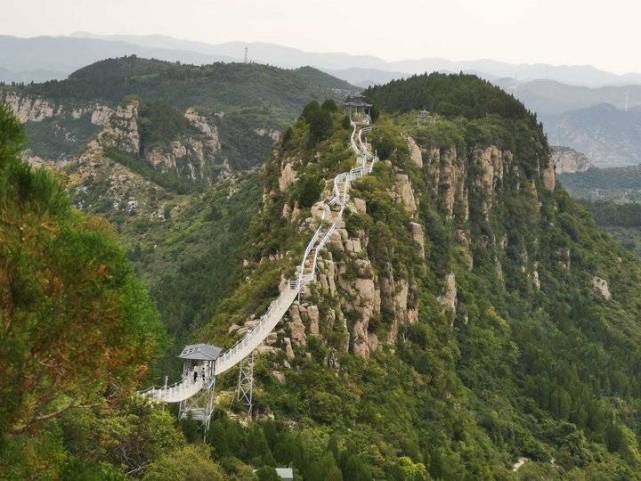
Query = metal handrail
x=277 y=308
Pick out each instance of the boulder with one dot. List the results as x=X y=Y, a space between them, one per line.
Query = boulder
x=601 y=288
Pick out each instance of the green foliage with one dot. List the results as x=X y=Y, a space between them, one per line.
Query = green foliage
x=169 y=180
x=617 y=184
x=610 y=214
x=542 y=371
x=216 y=87
x=241 y=143
x=329 y=105
x=246 y=105
x=197 y=258
x=159 y=124
x=319 y=120
x=190 y=463
x=308 y=188
x=59 y=139
x=77 y=326
x=387 y=140
x=267 y=473
x=448 y=95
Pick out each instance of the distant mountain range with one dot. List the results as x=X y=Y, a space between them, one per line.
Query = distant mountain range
x=359 y=69
x=61 y=55
x=44 y=58
x=569 y=99
x=547 y=97
x=603 y=123
x=607 y=135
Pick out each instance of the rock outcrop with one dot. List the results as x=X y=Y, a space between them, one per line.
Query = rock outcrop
x=355 y=295
x=568 y=161
x=406 y=193
x=194 y=155
x=415 y=152
x=121 y=130
x=30 y=109
x=287 y=177
x=447 y=173
x=449 y=298
x=549 y=176
x=601 y=288
x=492 y=164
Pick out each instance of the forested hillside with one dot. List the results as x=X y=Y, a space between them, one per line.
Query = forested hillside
x=613 y=196
x=469 y=315
x=77 y=333
x=167 y=153
x=618 y=184
x=181 y=126
x=469 y=319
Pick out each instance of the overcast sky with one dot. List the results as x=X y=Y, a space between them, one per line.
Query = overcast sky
x=601 y=33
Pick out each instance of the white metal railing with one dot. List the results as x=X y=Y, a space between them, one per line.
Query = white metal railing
x=305 y=274
x=177 y=392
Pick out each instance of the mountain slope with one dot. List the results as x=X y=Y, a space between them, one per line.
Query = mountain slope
x=547 y=97
x=607 y=135
x=466 y=315
x=77 y=331
x=617 y=184
x=285 y=56
x=180 y=126
x=146 y=145
x=63 y=55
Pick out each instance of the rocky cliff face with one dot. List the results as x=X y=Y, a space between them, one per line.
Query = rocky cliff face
x=363 y=303
x=569 y=161
x=30 y=109
x=451 y=177
x=194 y=156
x=112 y=167
x=463 y=283
x=120 y=127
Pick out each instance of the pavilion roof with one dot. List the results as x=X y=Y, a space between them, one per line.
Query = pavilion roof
x=201 y=352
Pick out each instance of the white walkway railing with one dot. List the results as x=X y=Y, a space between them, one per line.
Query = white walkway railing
x=306 y=273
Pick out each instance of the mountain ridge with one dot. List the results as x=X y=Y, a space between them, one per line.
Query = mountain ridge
x=173 y=49
x=461 y=313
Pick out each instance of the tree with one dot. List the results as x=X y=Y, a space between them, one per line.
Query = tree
x=258 y=451
x=308 y=189
x=329 y=105
x=354 y=469
x=77 y=327
x=190 y=463
x=267 y=473
x=319 y=121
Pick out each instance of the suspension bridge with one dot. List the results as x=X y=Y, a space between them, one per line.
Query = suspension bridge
x=204 y=362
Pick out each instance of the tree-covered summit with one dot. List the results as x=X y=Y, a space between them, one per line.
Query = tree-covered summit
x=219 y=86
x=448 y=95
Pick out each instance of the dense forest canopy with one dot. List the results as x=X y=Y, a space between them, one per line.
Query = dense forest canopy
x=219 y=86
x=77 y=328
x=449 y=95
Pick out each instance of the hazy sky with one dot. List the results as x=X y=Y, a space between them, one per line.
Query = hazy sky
x=602 y=33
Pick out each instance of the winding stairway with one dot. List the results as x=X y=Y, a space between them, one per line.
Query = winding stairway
x=306 y=274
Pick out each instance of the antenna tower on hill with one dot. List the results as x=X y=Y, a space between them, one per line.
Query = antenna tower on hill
x=246 y=58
